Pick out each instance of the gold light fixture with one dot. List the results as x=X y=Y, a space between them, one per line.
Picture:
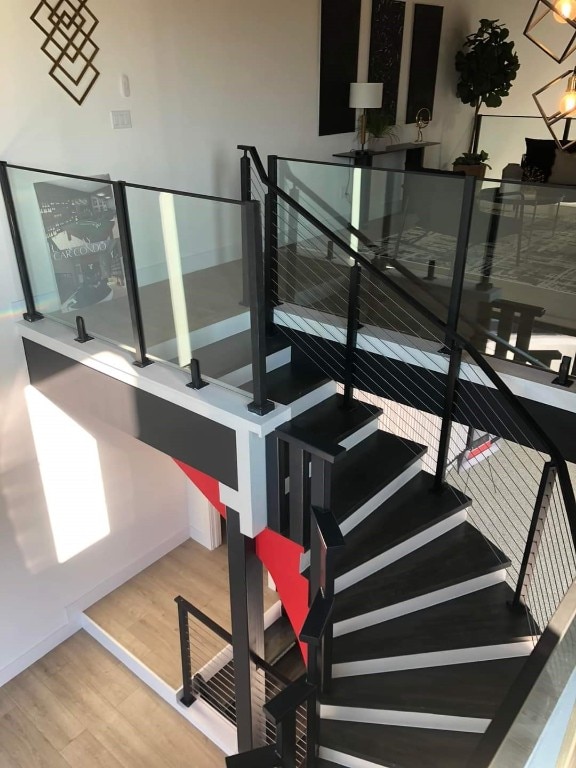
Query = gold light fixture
x=552 y=27
x=566 y=105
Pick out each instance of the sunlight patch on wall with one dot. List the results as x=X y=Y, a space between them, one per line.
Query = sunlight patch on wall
x=71 y=476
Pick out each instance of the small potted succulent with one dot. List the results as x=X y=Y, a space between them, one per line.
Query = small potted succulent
x=487 y=67
x=472 y=164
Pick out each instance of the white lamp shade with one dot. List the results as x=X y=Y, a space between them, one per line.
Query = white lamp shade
x=366 y=95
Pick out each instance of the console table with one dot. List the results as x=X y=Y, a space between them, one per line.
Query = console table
x=414 y=154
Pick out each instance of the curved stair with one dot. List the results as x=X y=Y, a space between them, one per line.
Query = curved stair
x=425 y=647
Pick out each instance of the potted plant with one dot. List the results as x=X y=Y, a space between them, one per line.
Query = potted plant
x=487 y=67
x=380 y=126
x=472 y=163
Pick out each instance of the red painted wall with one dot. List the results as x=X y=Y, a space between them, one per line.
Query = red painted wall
x=279 y=555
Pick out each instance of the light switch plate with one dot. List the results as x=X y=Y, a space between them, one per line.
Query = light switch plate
x=121 y=118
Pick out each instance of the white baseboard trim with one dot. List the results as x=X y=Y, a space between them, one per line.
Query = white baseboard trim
x=348 y=761
x=435 y=659
x=22 y=663
x=405 y=719
x=201 y=716
x=127 y=573
x=418 y=603
x=398 y=552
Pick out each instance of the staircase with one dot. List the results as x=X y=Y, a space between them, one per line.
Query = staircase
x=425 y=647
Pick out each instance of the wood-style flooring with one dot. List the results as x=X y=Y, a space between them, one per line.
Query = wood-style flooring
x=79 y=707
x=143 y=617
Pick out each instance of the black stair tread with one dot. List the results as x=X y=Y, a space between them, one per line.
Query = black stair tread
x=475 y=689
x=399 y=747
x=472 y=621
x=326 y=764
x=411 y=510
x=290 y=382
x=279 y=638
x=328 y=423
x=291 y=665
x=368 y=468
x=457 y=556
x=232 y=353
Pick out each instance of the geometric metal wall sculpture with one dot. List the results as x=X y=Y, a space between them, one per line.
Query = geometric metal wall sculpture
x=68 y=26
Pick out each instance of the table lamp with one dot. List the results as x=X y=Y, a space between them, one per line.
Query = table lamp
x=365 y=96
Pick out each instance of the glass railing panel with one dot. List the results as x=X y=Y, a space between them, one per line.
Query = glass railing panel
x=542 y=734
x=521 y=260
x=189 y=267
x=71 y=243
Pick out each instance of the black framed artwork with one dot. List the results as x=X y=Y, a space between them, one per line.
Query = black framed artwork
x=424 y=59
x=340 y=35
x=386 y=35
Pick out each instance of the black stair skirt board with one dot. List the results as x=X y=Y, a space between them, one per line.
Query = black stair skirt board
x=410 y=511
x=397 y=747
x=461 y=690
x=290 y=382
x=368 y=468
x=457 y=556
x=479 y=619
x=328 y=423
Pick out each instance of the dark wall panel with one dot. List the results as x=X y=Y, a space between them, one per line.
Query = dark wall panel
x=386 y=50
x=424 y=59
x=90 y=397
x=340 y=37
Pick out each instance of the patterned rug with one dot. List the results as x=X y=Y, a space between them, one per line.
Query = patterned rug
x=546 y=260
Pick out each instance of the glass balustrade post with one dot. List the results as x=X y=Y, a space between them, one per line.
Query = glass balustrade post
x=31 y=314
x=127 y=249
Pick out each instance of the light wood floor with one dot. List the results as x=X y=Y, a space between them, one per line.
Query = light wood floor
x=80 y=707
x=142 y=615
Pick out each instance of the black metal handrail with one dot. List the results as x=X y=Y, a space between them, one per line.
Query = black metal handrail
x=401 y=268
x=457 y=341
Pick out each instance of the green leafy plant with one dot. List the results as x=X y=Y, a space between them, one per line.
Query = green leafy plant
x=473 y=158
x=487 y=67
x=379 y=125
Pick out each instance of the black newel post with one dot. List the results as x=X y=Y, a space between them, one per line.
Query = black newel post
x=254 y=257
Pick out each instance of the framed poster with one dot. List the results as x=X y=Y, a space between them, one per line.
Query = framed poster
x=81 y=233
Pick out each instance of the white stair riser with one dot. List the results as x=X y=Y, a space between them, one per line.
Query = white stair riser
x=401 y=550
x=404 y=719
x=435 y=659
x=366 y=509
x=418 y=603
x=361 y=434
x=348 y=761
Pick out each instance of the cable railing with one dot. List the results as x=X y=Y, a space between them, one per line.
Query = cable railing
x=403 y=352
x=208 y=674
x=408 y=222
